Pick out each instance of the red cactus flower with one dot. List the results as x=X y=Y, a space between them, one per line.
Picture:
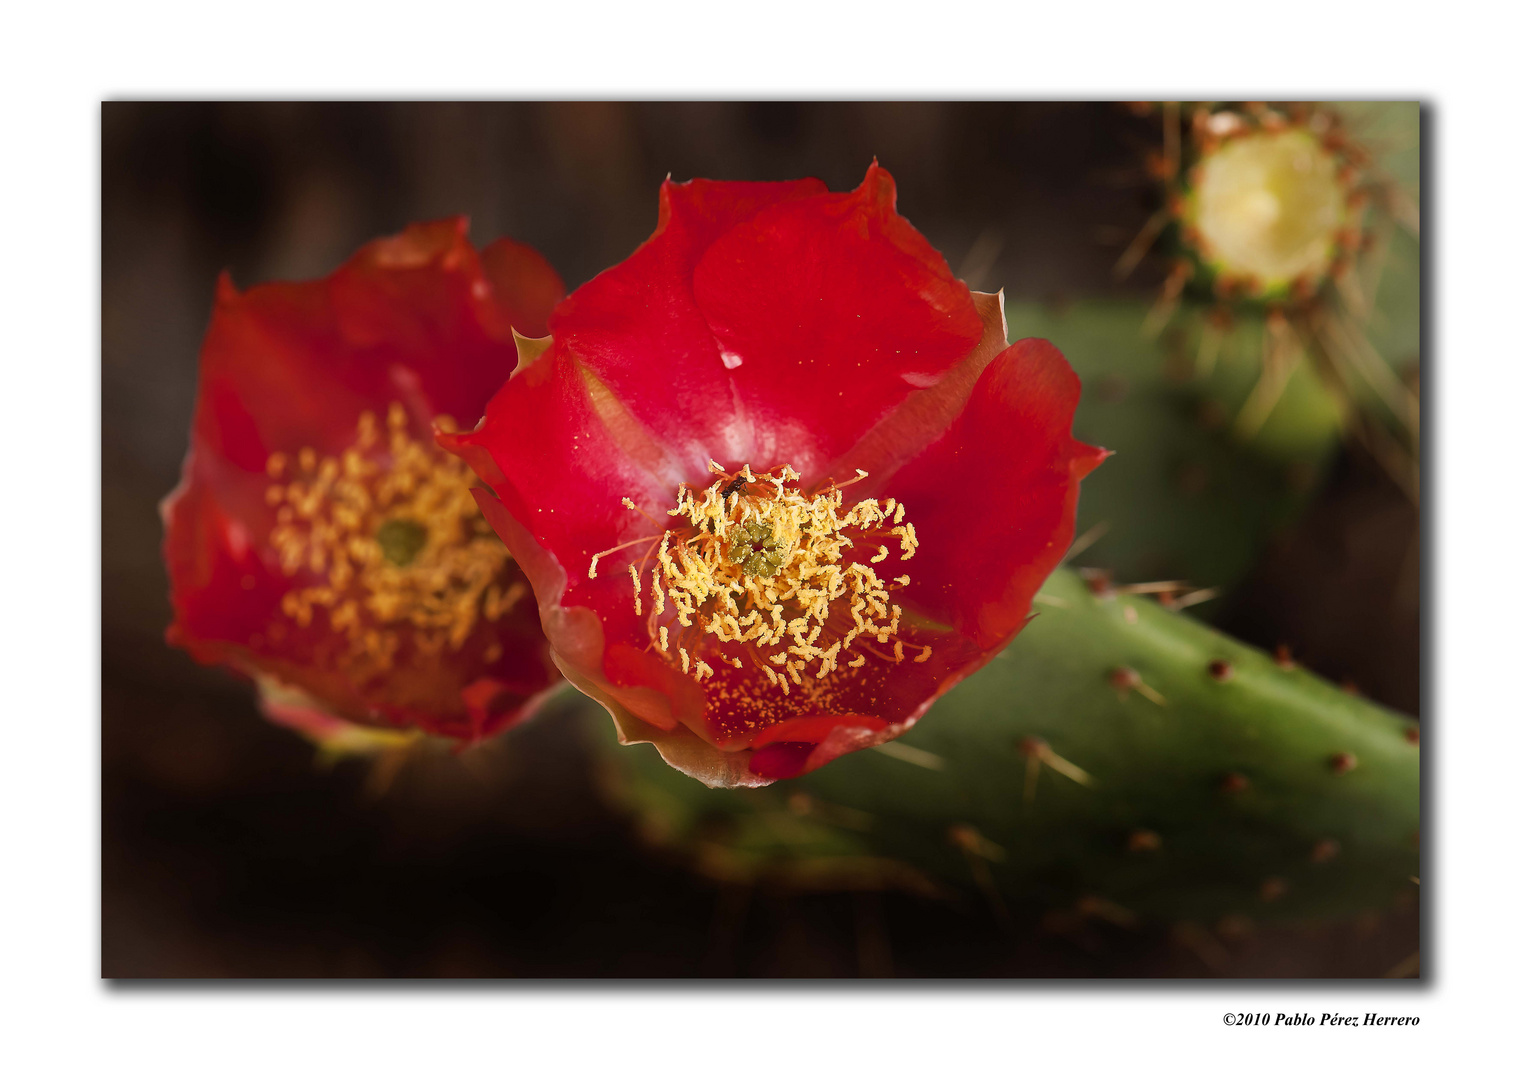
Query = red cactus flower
x=777 y=479
x=319 y=541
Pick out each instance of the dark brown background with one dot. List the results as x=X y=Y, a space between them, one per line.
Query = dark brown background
x=225 y=852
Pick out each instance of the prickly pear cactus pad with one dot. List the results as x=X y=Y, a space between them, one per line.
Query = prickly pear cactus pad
x=1121 y=759
x=1184 y=496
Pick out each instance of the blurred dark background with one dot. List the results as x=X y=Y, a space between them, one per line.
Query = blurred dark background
x=227 y=851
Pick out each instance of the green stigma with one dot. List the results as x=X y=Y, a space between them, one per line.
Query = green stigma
x=752 y=546
x=400 y=540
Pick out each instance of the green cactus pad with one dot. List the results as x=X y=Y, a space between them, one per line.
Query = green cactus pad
x=1183 y=497
x=1118 y=759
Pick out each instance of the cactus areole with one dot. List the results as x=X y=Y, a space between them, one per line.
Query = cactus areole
x=777 y=479
x=320 y=542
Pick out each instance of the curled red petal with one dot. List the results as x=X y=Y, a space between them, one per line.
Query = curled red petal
x=1006 y=473
x=922 y=417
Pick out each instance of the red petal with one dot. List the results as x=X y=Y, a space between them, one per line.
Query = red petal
x=524 y=285
x=780 y=760
x=221 y=585
x=639 y=328
x=830 y=311
x=409 y=318
x=561 y=454
x=924 y=416
x=994 y=498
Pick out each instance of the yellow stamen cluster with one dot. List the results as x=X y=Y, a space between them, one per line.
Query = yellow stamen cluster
x=764 y=569
x=397 y=542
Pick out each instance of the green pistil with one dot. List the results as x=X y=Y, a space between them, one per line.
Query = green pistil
x=753 y=547
x=400 y=540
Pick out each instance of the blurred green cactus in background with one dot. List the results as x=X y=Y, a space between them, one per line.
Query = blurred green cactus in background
x=1183 y=497
x=1226 y=406
x=1293 y=229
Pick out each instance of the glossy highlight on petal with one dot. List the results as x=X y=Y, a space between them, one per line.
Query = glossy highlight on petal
x=319 y=542
x=778 y=480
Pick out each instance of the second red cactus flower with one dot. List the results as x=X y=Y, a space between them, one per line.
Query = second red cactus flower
x=319 y=542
